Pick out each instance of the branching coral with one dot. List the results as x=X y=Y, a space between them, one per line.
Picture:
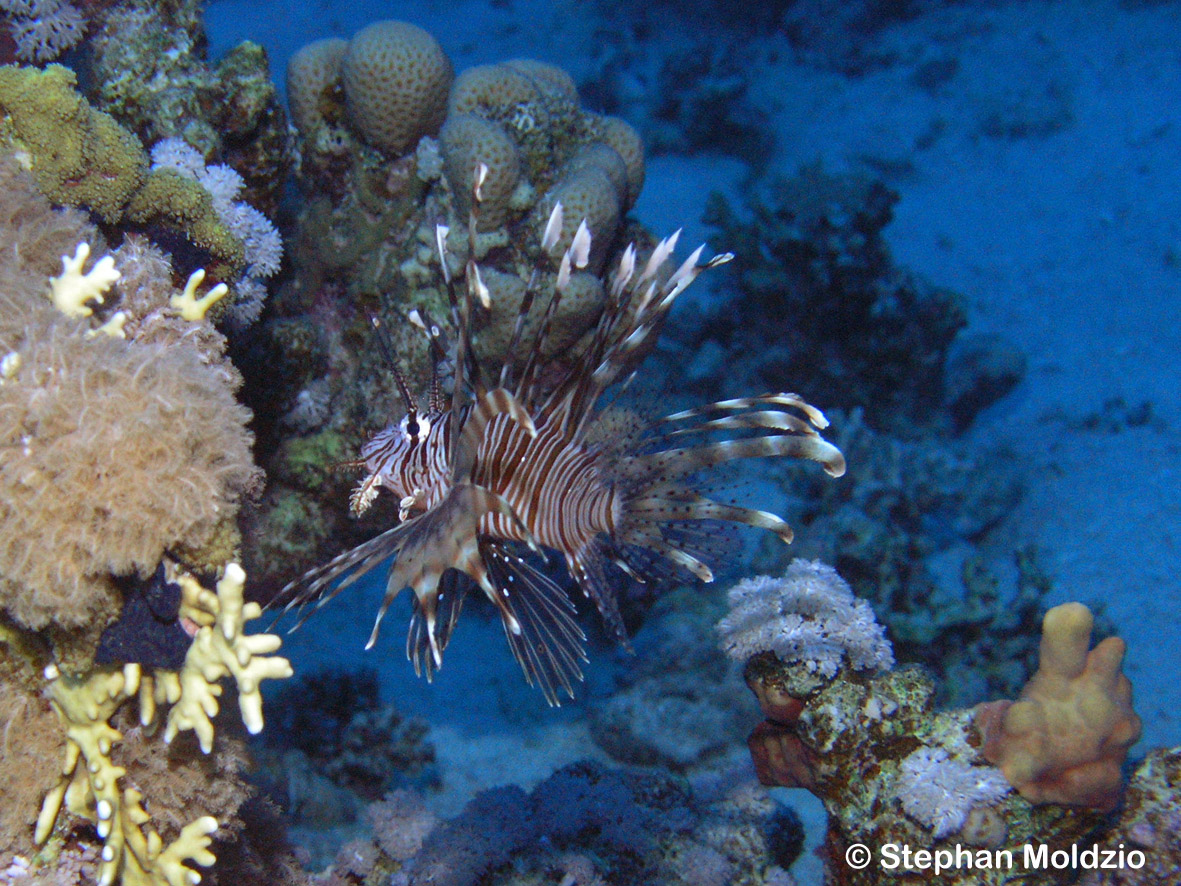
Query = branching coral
x=91 y=786
x=220 y=649
x=72 y=290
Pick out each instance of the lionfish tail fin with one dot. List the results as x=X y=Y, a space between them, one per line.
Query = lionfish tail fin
x=544 y=637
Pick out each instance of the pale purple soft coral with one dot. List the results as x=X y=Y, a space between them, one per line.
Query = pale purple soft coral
x=939 y=791
x=808 y=616
x=43 y=29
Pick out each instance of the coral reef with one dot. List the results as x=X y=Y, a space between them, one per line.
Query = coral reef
x=380 y=169
x=585 y=824
x=892 y=770
x=89 y=784
x=676 y=703
x=696 y=96
x=125 y=453
x=74 y=514
x=1149 y=821
x=79 y=156
x=83 y=157
x=161 y=86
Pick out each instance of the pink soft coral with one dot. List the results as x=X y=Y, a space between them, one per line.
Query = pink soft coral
x=1065 y=738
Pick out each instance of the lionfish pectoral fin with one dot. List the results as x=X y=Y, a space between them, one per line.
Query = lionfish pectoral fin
x=426 y=639
x=540 y=628
x=443 y=539
x=314 y=588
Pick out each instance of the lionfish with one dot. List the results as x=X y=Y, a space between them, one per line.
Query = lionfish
x=501 y=469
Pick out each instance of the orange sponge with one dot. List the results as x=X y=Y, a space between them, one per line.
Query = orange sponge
x=1065 y=738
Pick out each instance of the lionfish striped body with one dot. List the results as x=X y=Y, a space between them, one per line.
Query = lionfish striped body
x=500 y=470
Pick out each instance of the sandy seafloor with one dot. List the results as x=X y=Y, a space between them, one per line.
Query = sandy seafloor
x=1068 y=244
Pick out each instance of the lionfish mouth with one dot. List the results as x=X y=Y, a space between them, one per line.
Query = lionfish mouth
x=512 y=468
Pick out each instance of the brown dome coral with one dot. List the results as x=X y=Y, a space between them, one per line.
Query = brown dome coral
x=467 y=140
x=396 y=80
x=312 y=73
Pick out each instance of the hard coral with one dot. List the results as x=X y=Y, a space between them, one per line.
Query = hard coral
x=313 y=72
x=79 y=156
x=161 y=85
x=396 y=80
x=890 y=769
x=92 y=785
x=1065 y=739
x=467 y=140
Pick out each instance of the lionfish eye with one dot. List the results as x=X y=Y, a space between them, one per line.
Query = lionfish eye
x=414 y=427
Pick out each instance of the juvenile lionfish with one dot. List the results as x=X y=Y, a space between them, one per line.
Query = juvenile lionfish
x=496 y=472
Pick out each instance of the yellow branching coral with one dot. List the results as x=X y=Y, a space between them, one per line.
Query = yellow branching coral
x=221 y=649
x=89 y=785
x=192 y=308
x=72 y=289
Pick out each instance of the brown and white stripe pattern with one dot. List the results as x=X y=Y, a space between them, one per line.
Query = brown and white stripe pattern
x=506 y=470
